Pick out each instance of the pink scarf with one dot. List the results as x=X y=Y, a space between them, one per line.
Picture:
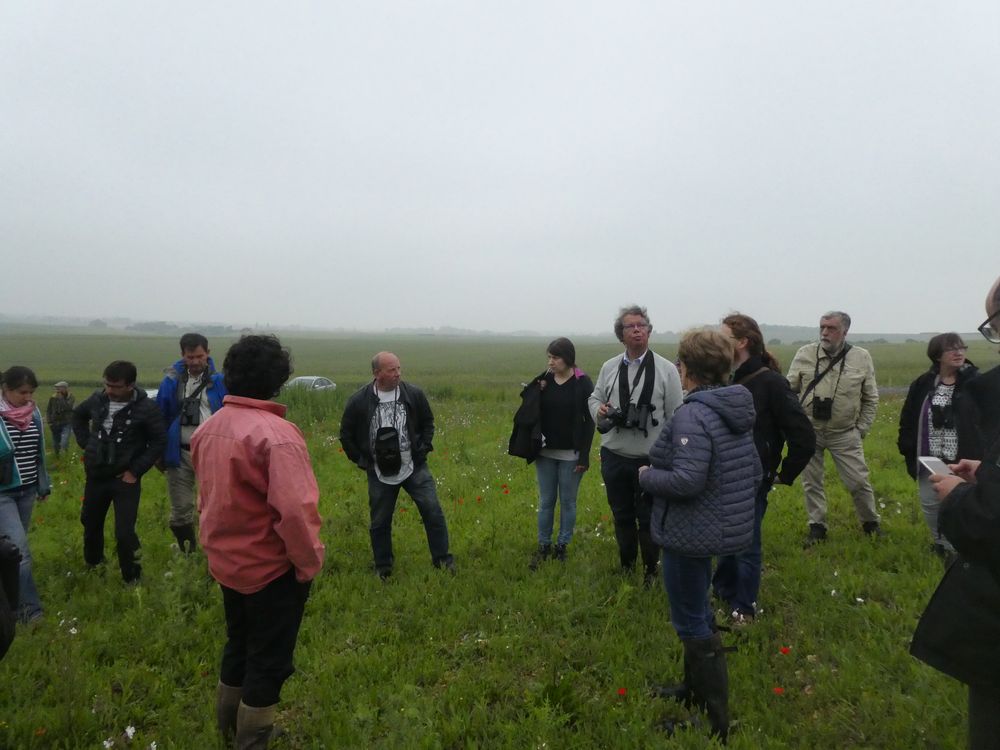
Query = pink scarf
x=19 y=416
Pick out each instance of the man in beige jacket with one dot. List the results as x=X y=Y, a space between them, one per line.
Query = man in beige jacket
x=836 y=384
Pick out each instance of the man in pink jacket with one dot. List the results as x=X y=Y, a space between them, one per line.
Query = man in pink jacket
x=260 y=532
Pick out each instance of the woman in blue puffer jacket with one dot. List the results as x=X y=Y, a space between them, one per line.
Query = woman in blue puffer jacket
x=703 y=477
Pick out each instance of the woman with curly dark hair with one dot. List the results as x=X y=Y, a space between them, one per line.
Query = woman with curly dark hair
x=939 y=419
x=260 y=532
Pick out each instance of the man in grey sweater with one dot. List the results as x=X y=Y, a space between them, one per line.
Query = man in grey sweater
x=634 y=397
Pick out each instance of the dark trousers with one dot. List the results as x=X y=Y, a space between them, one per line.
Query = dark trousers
x=382 y=504
x=261 y=630
x=984 y=718
x=98 y=496
x=737 y=577
x=631 y=508
x=686 y=580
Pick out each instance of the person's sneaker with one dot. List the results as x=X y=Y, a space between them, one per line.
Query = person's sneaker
x=817 y=534
x=384 y=573
x=872 y=529
x=540 y=556
x=559 y=553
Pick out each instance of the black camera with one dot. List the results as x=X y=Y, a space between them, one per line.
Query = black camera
x=635 y=417
x=387 y=451
x=191 y=411
x=822 y=409
x=109 y=453
x=942 y=417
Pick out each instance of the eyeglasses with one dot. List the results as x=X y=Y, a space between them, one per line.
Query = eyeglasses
x=989 y=328
x=635 y=326
x=961 y=349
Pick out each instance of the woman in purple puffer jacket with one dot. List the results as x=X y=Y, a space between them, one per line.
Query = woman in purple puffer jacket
x=703 y=476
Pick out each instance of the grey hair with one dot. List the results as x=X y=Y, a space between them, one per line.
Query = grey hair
x=375 y=362
x=845 y=319
x=630 y=310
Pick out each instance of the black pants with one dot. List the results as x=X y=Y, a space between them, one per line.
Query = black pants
x=262 y=629
x=98 y=496
x=631 y=508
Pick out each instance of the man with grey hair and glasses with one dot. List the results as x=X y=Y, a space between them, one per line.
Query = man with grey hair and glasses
x=635 y=395
x=835 y=383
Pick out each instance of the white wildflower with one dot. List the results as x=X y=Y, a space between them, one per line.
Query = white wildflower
x=73 y=631
x=833 y=592
x=130 y=731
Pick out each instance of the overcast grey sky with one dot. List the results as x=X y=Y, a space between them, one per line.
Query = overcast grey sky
x=515 y=165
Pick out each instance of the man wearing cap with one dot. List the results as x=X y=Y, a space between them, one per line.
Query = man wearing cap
x=59 y=415
x=190 y=393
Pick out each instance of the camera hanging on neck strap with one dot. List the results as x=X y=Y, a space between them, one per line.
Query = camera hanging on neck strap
x=387 y=452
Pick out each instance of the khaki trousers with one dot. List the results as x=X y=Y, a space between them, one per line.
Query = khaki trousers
x=849 y=458
x=180 y=487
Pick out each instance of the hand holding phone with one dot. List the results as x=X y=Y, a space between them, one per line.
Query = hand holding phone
x=935 y=465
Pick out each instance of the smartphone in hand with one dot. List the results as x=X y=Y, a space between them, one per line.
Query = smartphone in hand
x=935 y=465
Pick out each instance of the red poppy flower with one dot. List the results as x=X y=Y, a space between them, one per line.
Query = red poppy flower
x=778 y=690
x=506 y=492
x=503 y=486
x=479 y=499
x=622 y=692
x=40 y=731
x=785 y=650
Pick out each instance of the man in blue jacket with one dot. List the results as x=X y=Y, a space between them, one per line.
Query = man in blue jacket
x=190 y=393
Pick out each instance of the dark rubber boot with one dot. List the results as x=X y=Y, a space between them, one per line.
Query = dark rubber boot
x=186 y=540
x=709 y=681
x=680 y=692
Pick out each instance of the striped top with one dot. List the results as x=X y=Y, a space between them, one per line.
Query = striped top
x=26 y=443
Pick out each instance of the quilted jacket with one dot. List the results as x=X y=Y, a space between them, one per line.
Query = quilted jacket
x=704 y=474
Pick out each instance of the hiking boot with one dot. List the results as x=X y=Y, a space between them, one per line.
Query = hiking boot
x=541 y=555
x=559 y=553
x=649 y=577
x=447 y=562
x=817 y=534
x=872 y=529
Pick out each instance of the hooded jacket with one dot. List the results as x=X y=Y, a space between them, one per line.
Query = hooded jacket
x=169 y=398
x=135 y=442
x=704 y=474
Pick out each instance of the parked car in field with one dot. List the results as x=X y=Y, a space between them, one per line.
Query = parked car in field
x=312 y=383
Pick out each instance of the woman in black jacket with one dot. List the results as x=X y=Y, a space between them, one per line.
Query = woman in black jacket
x=780 y=420
x=556 y=430
x=939 y=419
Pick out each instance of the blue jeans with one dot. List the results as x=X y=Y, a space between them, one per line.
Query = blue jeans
x=556 y=477
x=60 y=438
x=15 y=518
x=686 y=580
x=382 y=504
x=737 y=577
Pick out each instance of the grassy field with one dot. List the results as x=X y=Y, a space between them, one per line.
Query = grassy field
x=495 y=656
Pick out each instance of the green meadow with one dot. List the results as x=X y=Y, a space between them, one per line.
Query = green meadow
x=495 y=656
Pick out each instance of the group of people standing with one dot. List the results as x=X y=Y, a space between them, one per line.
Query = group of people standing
x=689 y=453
